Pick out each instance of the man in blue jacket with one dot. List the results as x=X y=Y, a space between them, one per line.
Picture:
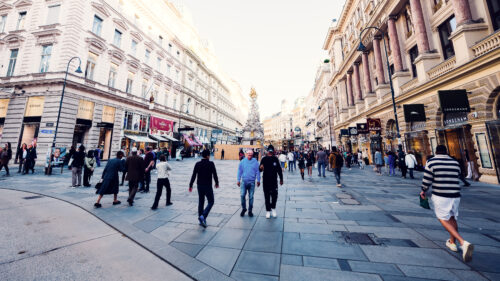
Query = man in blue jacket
x=248 y=171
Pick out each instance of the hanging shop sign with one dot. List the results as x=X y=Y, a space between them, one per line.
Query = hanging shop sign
x=34 y=107
x=415 y=126
x=344 y=132
x=4 y=104
x=454 y=101
x=108 y=114
x=454 y=118
x=374 y=124
x=85 y=110
x=362 y=128
x=158 y=124
x=414 y=113
x=353 y=131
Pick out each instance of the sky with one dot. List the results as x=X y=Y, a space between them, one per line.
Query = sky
x=272 y=45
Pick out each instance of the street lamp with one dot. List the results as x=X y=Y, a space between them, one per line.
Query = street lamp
x=78 y=70
x=329 y=120
x=362 y=48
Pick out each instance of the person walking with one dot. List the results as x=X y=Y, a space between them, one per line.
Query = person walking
x=392 y=163
x=69 y=155
x=110 y=179
x=76 y=163
x=248 y=172
x=361 y=161
x=29 y=162
x=401 y=162
x=163 y=169
x=331 y=160
x=322 y=161
x=204 y=170
x=348 y=160
x=291 y=161
x=241 y=155
x=410 y=162
x=270 y=167
x=149 y=163
x=386 y=162
x=88 y=168
x=97 y=156
x=309 y=163
x=222 y=155
x=379 y=162
x=338 y=162
x=134 y=168
x=5 y=157
x=442 y=173
x=302 y=164
x=282 y=158
x=21 y=155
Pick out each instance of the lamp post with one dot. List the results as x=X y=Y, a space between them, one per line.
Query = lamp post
x=362 y=48
x=329 y=120
x=78 y=70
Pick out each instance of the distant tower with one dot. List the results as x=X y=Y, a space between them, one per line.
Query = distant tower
x=253 y=132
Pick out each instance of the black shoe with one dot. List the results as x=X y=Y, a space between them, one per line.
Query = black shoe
x=169 y=203
x=243 y=212
x=202 y=221
x=250 y=213
x=465 y=184
x=97 y=205
x=117 y=202
x=154 y=208
x=130 y=203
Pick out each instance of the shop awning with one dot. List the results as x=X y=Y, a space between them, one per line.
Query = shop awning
x=190 y=141
x=170 y=138
x=198 y=141
x=137 y=138
x=159 y=138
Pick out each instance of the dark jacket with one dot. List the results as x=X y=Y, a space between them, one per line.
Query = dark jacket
x=31 y=155
x=78 y=159
x=204 y=169
x=110 y=178
x=271 y=169
x=134 y=166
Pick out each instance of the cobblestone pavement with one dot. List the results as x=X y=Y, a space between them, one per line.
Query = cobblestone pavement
x=371 y=229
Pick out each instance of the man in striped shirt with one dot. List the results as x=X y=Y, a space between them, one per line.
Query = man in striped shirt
x=442 y=173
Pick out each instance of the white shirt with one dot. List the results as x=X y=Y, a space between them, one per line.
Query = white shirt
x=410 y=161
x=282 y=158
x=290 y=156
x=163 y=168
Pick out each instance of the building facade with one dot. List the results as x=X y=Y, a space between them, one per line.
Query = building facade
x=145 y=72
x=443 y=58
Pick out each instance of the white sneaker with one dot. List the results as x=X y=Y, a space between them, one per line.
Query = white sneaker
x=451 y=246
x=274 y=213
x=467 y=249
x=339 y=185
x=268 y=215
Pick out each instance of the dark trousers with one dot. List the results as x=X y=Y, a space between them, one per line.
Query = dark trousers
x=27 y=166
x=411 y=173
x=160 y=183
x=21 y=162
x=147 y=180
x=132 y=190
x=205 y=191
x=87 y=174
x=6 y=165
x=270 y=197
x=336 y=171
x=404 y=169
x=123 y=177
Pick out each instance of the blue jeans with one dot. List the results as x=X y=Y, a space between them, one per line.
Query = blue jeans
x=291 y=166
x=205 y=191
x=321 y=167
x=250 y=187
x=336 y=171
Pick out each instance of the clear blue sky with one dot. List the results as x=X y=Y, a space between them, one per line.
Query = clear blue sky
x=274 y=45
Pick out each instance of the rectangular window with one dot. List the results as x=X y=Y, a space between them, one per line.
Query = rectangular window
x=169 y=67
x=90 y=68
x=117 y=40
x=144 y=87
x=413 y=55
x=174 y=103
x=160 y=41
x=158 y=64
x=445 y=30
x=494 y=9
x=146 y=56
x=46 y=53
x=113 y=72
x=3 y=22
x=12 y=62
x=484 y=154
x=130 y=83
x=21 y=20
x=53 y=14
x=133 y=47
x=97 y=25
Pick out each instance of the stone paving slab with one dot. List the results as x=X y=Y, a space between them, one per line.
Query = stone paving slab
x=298 y=273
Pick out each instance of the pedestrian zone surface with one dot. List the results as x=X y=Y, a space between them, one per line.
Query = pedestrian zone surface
x=370 y=229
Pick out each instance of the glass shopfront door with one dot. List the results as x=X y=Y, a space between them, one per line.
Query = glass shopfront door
x=494 y=136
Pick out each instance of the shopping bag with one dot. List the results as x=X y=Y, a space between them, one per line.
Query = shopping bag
x=424 y=202
x=286 y=165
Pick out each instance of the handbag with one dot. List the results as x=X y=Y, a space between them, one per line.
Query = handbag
x=424 y=202
x=98 y=185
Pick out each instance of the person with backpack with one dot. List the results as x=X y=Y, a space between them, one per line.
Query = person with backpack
x=338 y=162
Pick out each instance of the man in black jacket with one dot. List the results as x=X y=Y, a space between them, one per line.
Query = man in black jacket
x=271 y=167
x=204 y=170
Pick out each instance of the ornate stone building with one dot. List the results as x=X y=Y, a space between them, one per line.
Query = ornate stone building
x=443 y=57
x=145 y=71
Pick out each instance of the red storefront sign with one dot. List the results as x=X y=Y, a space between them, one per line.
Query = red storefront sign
x=159 y=124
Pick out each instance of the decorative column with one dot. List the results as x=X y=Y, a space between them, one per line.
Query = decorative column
x=350 y=95
x=462 y=11
x=366 y=72
x=396 y=51
x=419 y=24
x=357 y=82
x=378 y=60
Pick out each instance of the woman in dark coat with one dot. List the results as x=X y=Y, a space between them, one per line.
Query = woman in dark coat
x=110 y=179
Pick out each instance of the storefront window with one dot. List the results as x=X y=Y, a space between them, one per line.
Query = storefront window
x=483 y=150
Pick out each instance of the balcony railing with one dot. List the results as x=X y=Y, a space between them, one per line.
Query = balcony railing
x=442 y=68
x=487 y=44
x=409 y=85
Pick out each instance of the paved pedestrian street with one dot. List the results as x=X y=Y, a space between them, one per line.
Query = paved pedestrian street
x=371 y=229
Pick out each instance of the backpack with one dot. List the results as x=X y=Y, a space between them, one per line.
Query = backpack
x=339 y=162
